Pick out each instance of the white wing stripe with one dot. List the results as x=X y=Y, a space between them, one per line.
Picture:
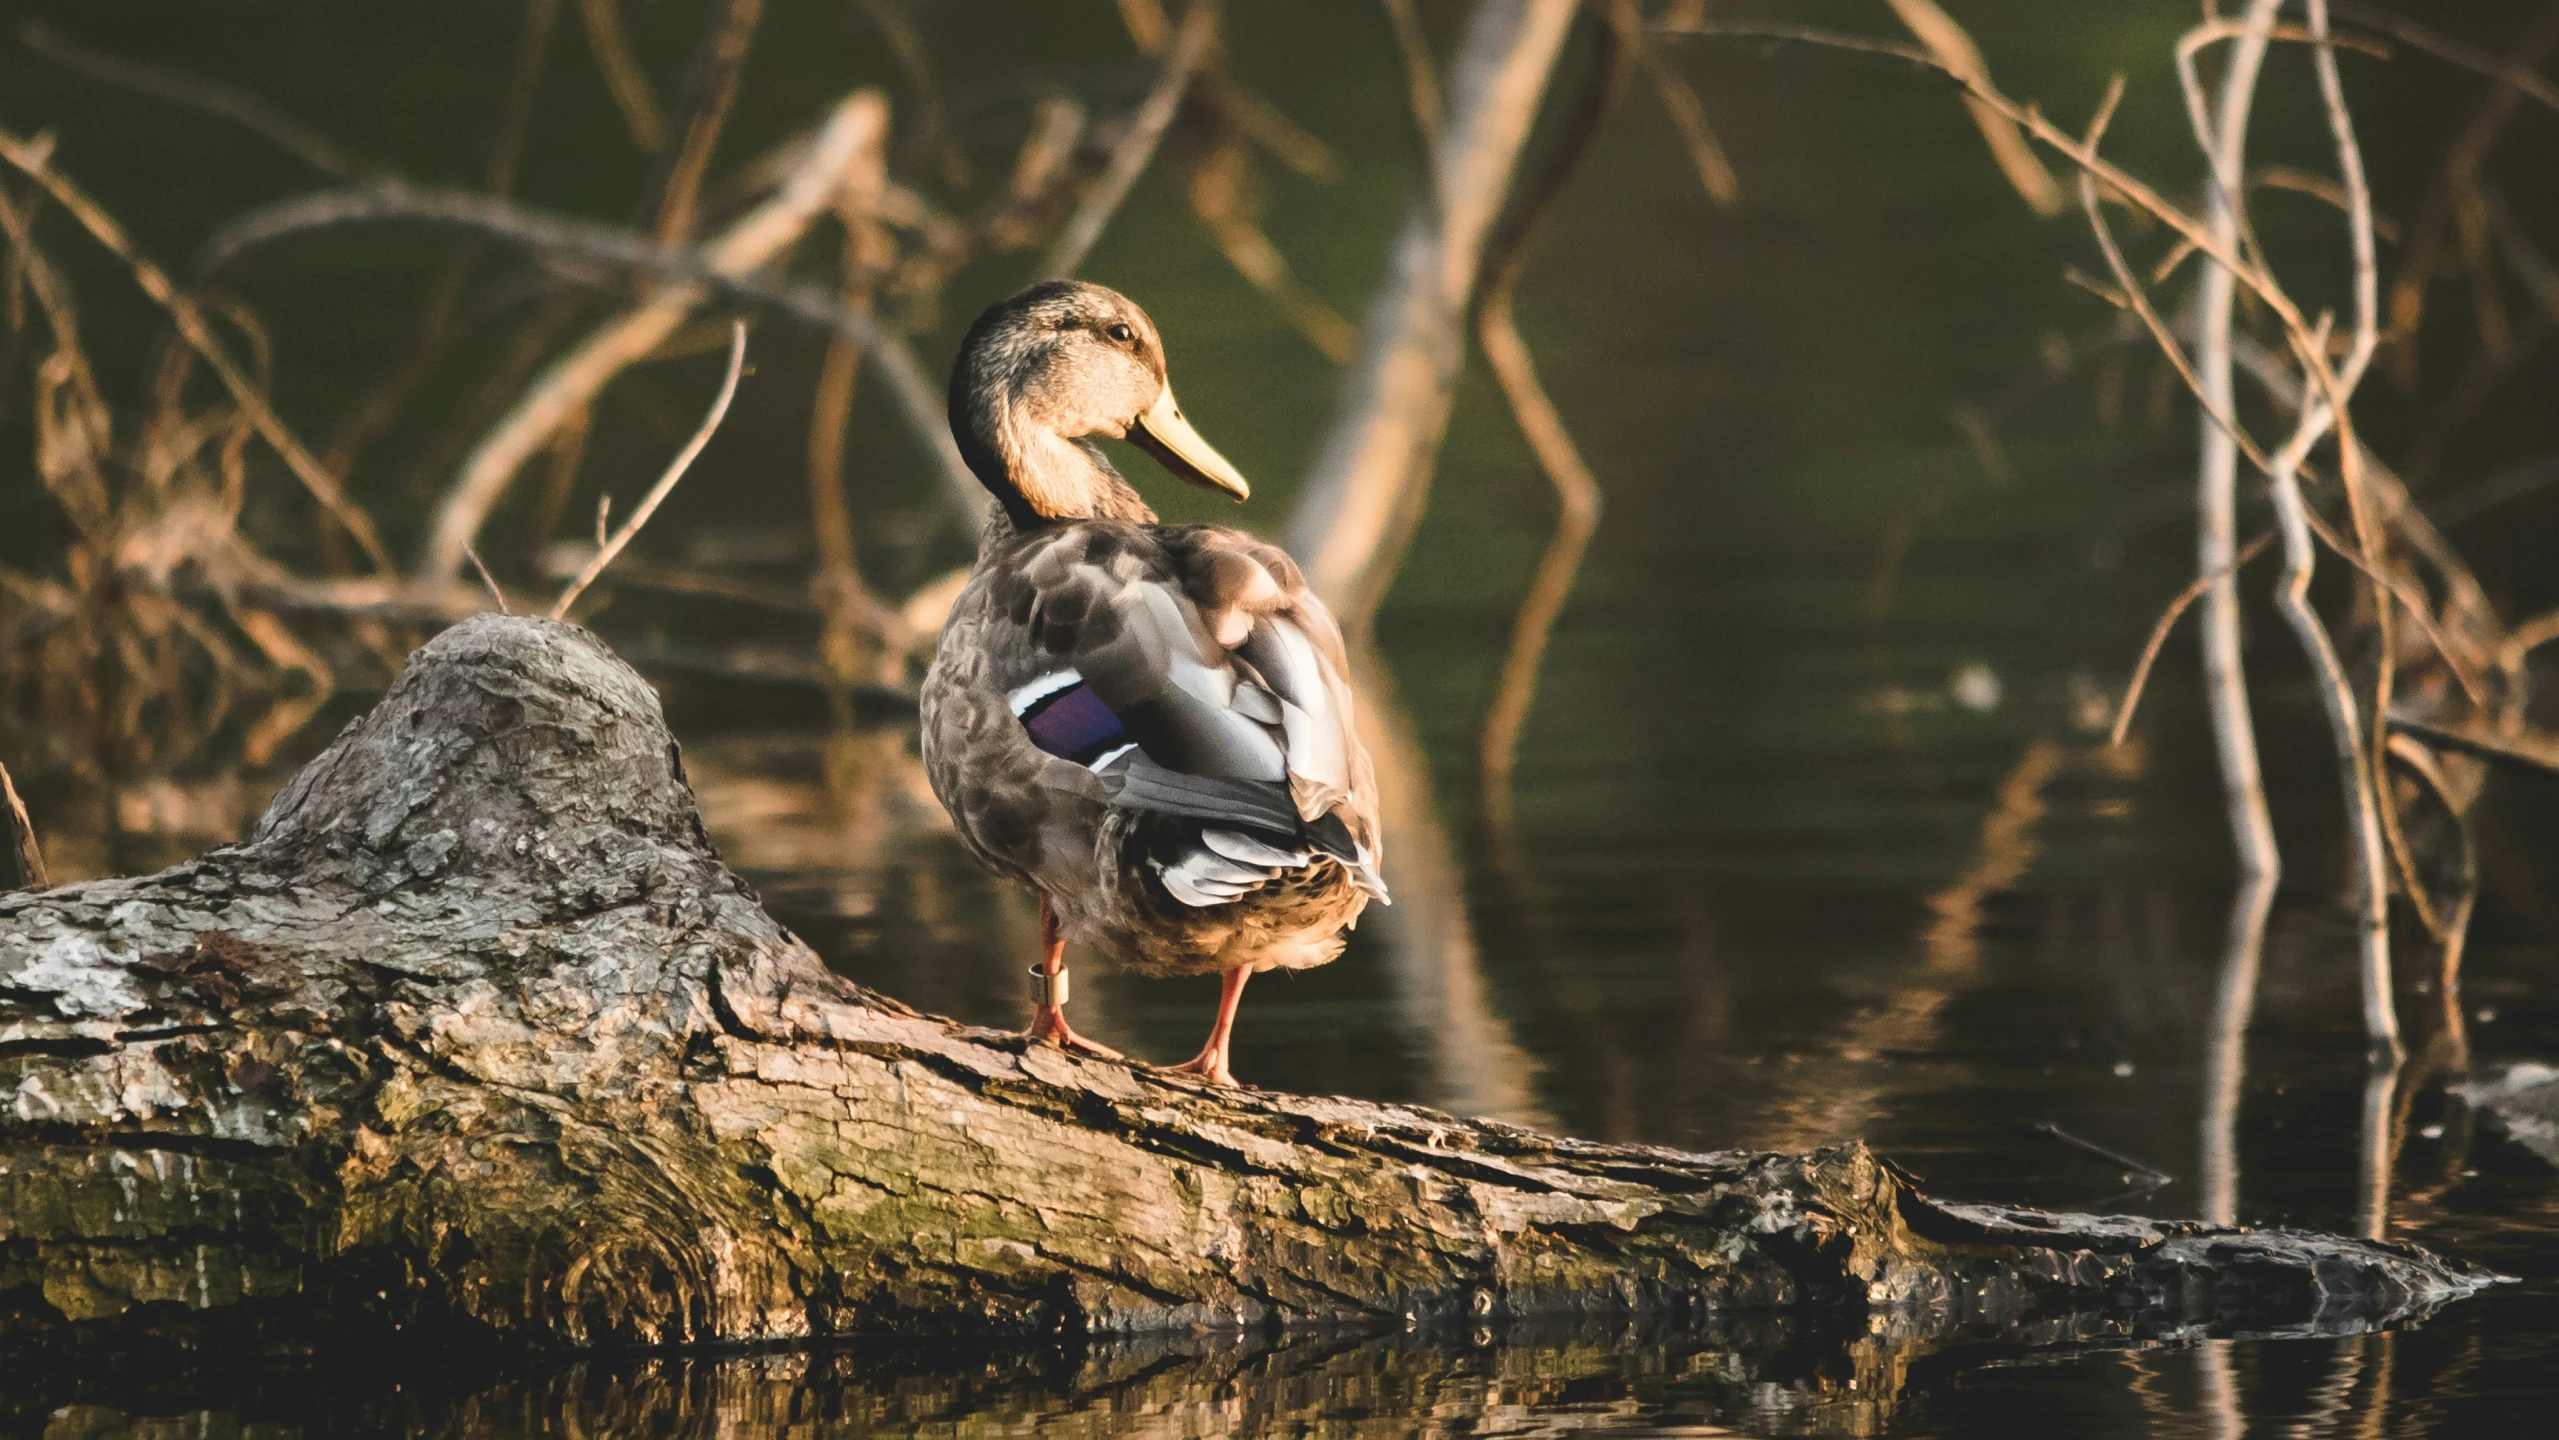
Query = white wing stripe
x=1023 y=697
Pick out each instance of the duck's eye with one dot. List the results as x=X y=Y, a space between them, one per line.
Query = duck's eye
x=1120 y=332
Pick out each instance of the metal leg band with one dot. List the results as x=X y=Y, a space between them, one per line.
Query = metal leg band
x=1051 y=989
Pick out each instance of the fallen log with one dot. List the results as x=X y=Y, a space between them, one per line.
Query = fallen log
x=476 y=1039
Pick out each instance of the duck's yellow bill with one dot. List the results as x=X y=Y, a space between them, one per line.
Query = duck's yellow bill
x=1164 y=434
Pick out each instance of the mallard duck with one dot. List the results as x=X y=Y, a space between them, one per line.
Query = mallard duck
x=1150 y=724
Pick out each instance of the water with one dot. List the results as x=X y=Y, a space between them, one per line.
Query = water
x=1809 y=843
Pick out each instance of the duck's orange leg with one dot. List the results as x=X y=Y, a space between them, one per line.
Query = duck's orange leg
x=1048 y=1016
x=1210 y=1063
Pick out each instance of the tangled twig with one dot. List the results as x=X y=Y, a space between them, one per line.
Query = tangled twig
x=665 y=485
x=34 y=159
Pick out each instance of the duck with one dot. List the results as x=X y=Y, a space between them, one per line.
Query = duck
x=1149 y=725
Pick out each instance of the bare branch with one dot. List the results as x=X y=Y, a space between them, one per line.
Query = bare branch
x=2451 y=201
x=2168 y=621
x=1955 y=52
x=2119 y=183
x=718 y=69
x=2223 y=139
x=2529 y=636
x=373 y=412
x=213 y=97
x=472 y=554
x=2509 y=71
x=573 y=381
x=2334 y=383
x=855 y=617
x=2452 y=935
x=1366 y=488
x=1129 y=159
x=1218 y=196
x=1248 y=113
x=919 y=400
x=2405 y=593
x=675 y=469
x=2372 y=824
x=1577 y=491
x=1688 y=115
x=623 y=77
x=2134 y=296
x=1421 y=74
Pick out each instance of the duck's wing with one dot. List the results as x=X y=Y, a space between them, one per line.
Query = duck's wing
x=1194 y=673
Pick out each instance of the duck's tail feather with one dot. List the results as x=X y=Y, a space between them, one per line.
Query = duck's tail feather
x=1251 y=836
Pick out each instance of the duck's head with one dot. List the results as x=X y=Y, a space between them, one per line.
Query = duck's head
x=1044 y=371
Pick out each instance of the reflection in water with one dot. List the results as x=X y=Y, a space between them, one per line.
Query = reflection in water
x=2378 y=1146
x=1952 y=939
x=1827 y=1108
x=1758 y=1379
x=2226 y=1051
x=1472 y=1065
x=2217 y=1391
x=1764 y=1376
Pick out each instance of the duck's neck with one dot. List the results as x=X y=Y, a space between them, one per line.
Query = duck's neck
x=1040 y=477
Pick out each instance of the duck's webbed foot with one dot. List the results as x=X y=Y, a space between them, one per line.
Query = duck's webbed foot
x=1048 y=1015
x=1049 y=1023
x=1209 y=1064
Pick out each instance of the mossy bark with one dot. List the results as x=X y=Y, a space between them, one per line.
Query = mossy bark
x=476 y=1037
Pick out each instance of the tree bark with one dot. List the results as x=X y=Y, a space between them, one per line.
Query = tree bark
x=477 y=1039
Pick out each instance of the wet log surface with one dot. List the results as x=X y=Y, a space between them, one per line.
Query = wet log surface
x=477 y=1041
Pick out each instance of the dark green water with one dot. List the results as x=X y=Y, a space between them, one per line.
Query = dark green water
x=1799 y=854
